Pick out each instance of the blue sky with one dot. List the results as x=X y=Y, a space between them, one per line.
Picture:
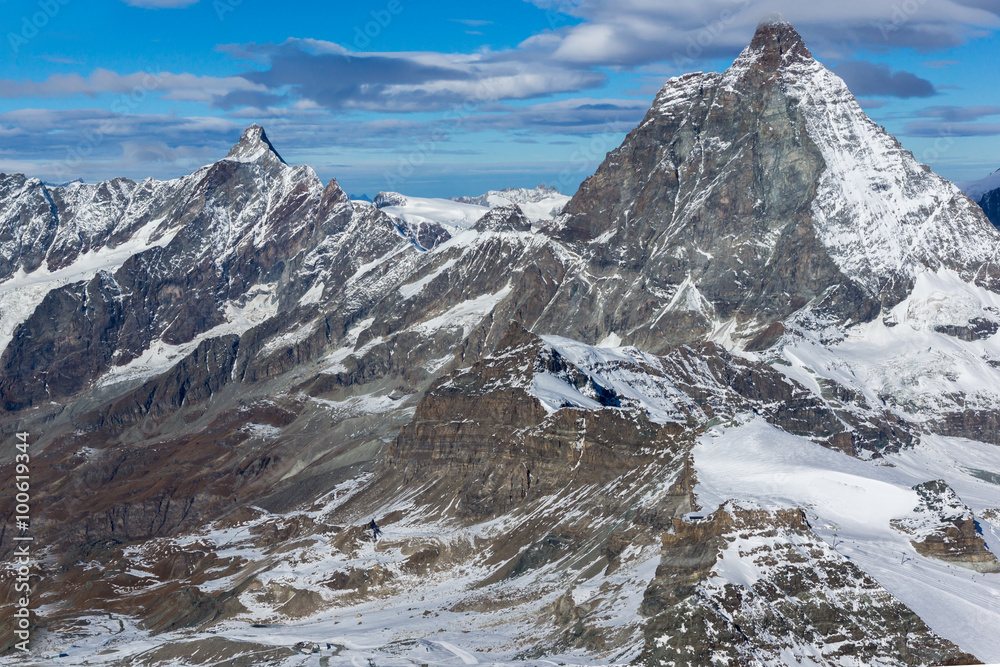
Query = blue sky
x=450 y=98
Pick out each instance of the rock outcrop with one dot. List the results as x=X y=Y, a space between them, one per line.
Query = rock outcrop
x=751 y=586
x=943 y=527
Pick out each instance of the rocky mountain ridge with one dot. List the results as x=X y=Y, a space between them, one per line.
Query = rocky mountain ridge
x=796 y=204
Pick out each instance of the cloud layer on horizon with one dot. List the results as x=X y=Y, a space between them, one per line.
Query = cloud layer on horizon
x=637 y=32
x=953 y=121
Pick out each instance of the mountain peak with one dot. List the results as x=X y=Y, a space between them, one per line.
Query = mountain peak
x=774 y=19
x=775 y=44
x=253 y=145
x=504 y=218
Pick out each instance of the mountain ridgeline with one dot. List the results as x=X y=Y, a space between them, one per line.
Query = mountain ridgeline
x=227 y=376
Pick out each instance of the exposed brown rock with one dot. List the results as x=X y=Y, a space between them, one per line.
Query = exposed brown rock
x=946 y=529
x=800 y=593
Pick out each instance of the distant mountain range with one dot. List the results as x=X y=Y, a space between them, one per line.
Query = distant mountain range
x=540 y=203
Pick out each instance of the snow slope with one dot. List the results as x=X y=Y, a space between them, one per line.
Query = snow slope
x=850 y=504
x=23 y=292
x=461 y=213
x=638 y=380
x=453 y=216
x=540 y=203
x=880 y=213
x=903 y=359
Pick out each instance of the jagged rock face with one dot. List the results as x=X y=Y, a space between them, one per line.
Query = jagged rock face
x=254 y=146
x=28 y=225
x=705 y=384
x=739 y=198
x=504 y=218
x=512 y=195
x=388 y=199
x=540 y=203
x=491 y=441
x=751 y=586
x=195 y=379
x=231 y=226
x=944 y=527
x=425 y=236
x=54 y=226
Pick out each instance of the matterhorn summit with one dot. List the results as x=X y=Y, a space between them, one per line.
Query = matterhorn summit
x=767 y=189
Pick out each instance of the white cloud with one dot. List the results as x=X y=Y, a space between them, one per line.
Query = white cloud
x=636 y=32
x=337 y=78
x=183 y=86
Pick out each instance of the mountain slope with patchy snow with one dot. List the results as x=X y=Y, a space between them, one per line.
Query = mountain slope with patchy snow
x=736 y=402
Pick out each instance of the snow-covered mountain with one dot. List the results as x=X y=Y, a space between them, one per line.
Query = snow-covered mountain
x=451 y=215
x=443 y=218
x=540 y=203
x=986 y=192
x=735 y=402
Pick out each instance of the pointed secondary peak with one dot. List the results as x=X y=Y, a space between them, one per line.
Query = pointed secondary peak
x=253 y=145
